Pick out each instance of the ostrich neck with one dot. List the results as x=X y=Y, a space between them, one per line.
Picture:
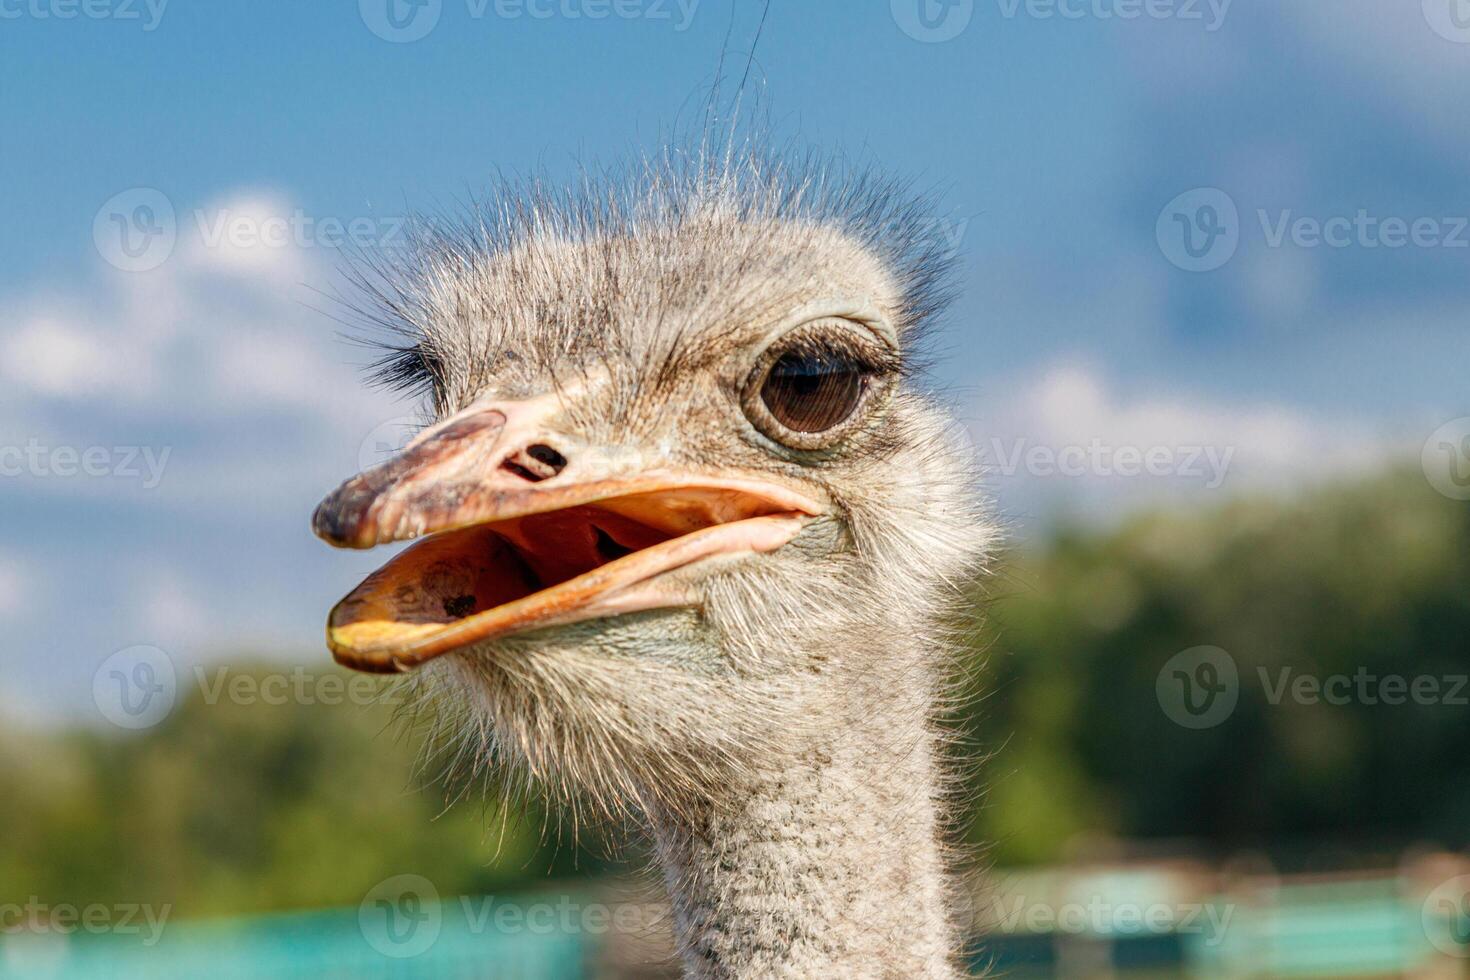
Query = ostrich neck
x=828 y=866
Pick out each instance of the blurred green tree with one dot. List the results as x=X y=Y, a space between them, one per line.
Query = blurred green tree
x=241 y=805
x=1365 y=581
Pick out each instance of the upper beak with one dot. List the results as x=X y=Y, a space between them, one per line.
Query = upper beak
x=528 y=529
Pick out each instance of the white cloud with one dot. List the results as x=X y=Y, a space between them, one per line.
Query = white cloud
x=272 y=367
x=1074 y=406
x=14 y=588
x=168 y=612
x=1384 y=54
x=54 y=358
x=251 y=234
x=1067 y=438
x=227 y=321
x=1392 y=49
x=1398 y=40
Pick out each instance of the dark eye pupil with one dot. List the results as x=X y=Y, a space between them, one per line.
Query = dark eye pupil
x=812 y=392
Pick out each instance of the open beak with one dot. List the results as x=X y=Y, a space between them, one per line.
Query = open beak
x=521 y=536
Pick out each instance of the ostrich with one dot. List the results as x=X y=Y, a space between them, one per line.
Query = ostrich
x=693 y=540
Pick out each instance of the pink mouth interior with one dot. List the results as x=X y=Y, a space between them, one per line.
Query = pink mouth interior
x=455 y=574
x=495 y=564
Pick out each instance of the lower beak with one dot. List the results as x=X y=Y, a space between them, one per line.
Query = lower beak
x=521 y=537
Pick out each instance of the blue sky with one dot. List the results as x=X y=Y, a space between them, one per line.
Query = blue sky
x=1059 y=132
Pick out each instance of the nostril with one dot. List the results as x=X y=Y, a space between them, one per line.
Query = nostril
x=545 y=454
x=535 y=463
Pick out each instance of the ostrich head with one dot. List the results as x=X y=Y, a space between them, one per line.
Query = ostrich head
x=683 y=510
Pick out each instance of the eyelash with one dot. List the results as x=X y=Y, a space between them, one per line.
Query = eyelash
x=842 y=345
x=414 y=369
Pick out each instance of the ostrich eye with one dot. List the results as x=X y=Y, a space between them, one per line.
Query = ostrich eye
x=809 y=391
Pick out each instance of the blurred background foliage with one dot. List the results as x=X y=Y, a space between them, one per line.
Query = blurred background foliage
x=242 y=808
x=250 y=807
x=1370 y=577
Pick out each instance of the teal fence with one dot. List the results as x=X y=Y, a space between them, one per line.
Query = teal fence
x=440 y=943
x=1147 y=920
x=1162 y=921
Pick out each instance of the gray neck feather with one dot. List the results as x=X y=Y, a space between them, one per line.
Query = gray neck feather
x=830 y=866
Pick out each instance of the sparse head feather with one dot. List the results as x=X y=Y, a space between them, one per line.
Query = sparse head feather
x=627 y=262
